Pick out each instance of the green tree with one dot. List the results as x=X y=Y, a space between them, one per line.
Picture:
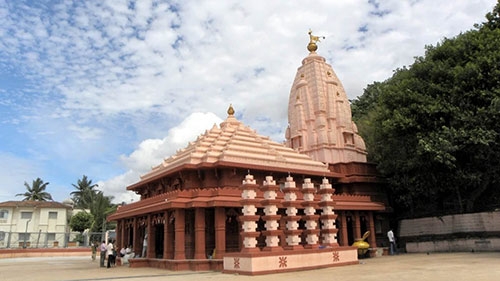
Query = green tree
x=101 y=207
x=87 y=197
x=81 y=221
x=85 y=193
x=433 y=128
x=36 y=192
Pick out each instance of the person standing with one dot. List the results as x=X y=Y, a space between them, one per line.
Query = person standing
x=145 y=246
x=110 y=253
x=94 y=250
x=392 y=242
x=103 y=252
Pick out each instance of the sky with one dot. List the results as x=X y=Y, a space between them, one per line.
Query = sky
x=109 y=88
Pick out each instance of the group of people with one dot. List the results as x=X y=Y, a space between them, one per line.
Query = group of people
x=109 y=253
x=126 y=254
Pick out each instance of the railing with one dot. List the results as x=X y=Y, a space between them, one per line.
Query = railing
x=38 y=240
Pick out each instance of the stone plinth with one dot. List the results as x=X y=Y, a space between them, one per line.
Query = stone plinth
x=285 y=261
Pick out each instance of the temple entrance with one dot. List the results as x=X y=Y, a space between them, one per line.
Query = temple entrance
x=232 y=231
x=363 y=224
x=209 y=232
x=159 y=235
x=189 y=233
x=350 y=230
x=170 y=235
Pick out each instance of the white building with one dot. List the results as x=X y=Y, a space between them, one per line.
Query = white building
x=34 y=224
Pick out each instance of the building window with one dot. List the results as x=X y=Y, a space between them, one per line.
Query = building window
x=51 y=236
x=52 y=215
x=26 y=215
x=24 y=236
x=4 y=214
x=2 y=235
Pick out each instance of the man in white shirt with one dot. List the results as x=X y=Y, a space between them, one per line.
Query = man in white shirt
x=145 y=246
x=392 y=241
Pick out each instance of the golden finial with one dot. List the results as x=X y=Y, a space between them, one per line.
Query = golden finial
x=312 y=47
x=230 y=110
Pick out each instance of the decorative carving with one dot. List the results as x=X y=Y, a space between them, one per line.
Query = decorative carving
x=336 y=256
x=282 y=262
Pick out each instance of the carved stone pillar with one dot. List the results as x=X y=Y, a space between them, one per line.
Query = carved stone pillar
x=150 y=250
x=270 y=210
x=329 y=232
x=166 y=239
x=357 y=225
x=249 y=219
x=137 y=245
x=372 y=239
x=220 y=232
x=180 y=225
x=345 y=238
x=199 y=234
x=292 y=232
x=309 y=215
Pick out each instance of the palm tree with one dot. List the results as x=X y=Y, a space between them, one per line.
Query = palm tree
x=85 y=193
x=36 y=192
x=101 y=207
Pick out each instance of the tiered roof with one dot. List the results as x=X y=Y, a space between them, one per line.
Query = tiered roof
x=235 y=145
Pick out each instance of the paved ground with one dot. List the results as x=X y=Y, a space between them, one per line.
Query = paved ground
x=414 y=267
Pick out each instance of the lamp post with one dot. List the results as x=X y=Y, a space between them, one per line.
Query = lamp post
x=26 y=233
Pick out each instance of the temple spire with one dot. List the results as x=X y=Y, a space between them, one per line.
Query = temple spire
x=319 y=113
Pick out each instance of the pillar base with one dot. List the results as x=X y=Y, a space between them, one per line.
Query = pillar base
x=250 y=250
x=314 y=246
x=293 y=247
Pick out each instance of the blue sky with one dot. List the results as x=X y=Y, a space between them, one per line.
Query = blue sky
x=108 y=89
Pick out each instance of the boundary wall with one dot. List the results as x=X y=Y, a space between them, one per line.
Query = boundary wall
x=454 y=233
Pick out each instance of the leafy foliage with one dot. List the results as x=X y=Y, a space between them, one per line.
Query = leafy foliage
x=36 y=192
x=433 y=128
x=87 y=197
x=84 y=193
x=101 y=207
x=81 y=221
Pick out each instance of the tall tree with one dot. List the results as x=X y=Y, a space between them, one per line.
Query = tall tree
x=100 y=208
x=88 y=198
x=85 y=192
x=36 y=192
x=434 y=127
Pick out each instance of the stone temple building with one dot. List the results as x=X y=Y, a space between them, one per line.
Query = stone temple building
x=236 y=201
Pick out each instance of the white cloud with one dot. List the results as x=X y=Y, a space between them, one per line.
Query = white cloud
x=14 y=171
x=151 y=152
x=87 y=80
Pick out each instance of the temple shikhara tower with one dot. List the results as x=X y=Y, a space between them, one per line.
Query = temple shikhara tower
x=236 y=201
x=319 y=114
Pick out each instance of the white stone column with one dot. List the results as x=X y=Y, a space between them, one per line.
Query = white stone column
x=271 y=218
x=329 y=231
x=292 y=232
x=309 y=215
x=249 y=219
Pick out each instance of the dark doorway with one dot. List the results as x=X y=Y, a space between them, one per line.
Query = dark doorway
x=350 y=230
x=189 y=233
x=159 y=240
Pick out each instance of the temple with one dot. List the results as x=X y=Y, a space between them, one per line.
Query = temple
x=235 y=201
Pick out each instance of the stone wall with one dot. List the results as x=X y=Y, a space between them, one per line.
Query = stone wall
x=467 y=232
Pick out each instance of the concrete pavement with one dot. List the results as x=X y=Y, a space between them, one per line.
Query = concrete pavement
x=414 y=267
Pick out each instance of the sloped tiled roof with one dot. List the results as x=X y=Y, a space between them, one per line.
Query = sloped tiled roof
x=31 y=204
x=233 y=143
